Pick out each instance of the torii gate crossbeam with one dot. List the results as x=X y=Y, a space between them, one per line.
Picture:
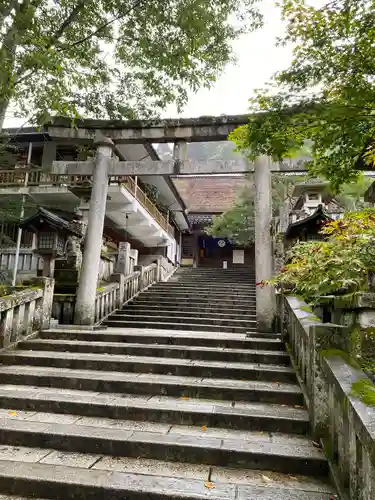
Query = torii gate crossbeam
x=108 y=134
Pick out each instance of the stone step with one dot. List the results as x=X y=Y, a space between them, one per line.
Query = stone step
x=245 y=276
x=202 y=282
x=110 y=479
x=222 y=274
x=180 y=317
x=191 y=305
x=155 y=311
x=173 y=338
x=161 y=468
x=225 y=278
x=147 y=410
x=152 y=384
x=178 y=286
x=112 y=322
x=198 y=294
x=150 y=365
x=162 y=350
x=178 y=281
x=243 y=271
x=196 y=297
x=242 y=449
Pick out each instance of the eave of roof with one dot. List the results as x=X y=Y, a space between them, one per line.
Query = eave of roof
x=319 y=214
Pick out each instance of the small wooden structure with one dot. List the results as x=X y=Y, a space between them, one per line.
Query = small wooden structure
x=313 y=207
x=308 y=228
x=52 y=234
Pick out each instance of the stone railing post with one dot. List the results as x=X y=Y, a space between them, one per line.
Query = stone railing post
x=120 y=279
x=43 y=311
x=141 y=271
x=86 y=293
x=159 y=269
x=123 y=260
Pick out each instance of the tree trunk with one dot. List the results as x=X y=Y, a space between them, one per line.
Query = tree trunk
x=12 y=37
x=3 y=108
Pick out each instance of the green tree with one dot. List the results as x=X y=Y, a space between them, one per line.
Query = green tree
x=339 y=265
x=113 y=58
x=237 y=223
x=326 y=95
x=351 y=196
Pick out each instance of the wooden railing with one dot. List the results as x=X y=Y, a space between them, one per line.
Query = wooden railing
x=28 y=261
x=36 y=177
x=130 y=184
x=341 y=422
x=25 y=312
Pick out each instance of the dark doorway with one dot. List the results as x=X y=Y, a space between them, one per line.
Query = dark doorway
x=214 y=251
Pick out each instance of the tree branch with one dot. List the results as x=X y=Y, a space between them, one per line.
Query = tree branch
x=73 y=15
x=103 y=26
x=67 y=22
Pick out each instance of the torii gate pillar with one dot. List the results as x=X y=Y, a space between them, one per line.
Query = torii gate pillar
x=86 y=293
x=265 y=296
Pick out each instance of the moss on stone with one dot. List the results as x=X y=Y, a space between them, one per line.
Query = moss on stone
x=368 y=366
x=326 y=353
x=313 y=318
x=346 y=301
x=306 y=309
x=327 y=448
x=355 y=342
x=364 y=389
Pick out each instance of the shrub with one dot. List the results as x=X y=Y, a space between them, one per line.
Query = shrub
x=340 y=264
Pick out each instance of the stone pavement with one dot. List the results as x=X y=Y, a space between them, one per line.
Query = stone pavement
x=136 y=413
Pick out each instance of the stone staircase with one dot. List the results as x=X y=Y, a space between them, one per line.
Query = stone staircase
x=165 y=412
x=212 y=300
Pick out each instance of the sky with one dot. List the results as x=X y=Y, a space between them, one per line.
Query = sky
x=257 y=59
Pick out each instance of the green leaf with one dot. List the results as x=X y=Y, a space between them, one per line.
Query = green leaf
x=326 y=97
x=114 y=58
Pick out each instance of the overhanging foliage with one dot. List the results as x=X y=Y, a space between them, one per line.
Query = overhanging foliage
x=113 y=58
x=326 y=95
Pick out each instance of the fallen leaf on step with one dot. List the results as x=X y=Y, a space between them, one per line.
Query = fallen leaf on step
x=298 y=406
x=293 y=478
x=12 y=413
x=209 y=485
x=204 y=427
x=185 y=398
x=266 y=479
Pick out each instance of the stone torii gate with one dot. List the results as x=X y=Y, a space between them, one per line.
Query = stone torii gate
x=107 y=135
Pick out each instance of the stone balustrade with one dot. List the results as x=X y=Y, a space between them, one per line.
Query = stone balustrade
x=341 y=420
x=109 y=297
x=25 y=312
x=107 y=301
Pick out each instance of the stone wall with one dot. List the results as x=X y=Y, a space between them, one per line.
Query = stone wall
x=356 y=312
x=342 y=416
x=25 y=312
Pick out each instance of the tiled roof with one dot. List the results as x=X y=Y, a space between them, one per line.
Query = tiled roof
x=209 y=194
